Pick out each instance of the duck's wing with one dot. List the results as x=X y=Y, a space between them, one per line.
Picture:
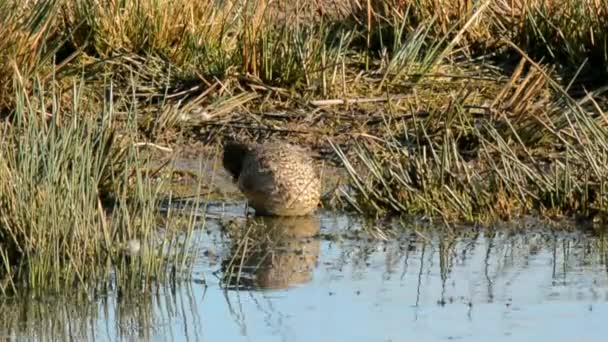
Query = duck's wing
x=278 y=176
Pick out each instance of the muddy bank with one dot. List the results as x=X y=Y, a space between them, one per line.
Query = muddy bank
x=196 y=169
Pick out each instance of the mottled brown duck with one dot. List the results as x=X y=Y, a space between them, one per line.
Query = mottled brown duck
x=277 y=178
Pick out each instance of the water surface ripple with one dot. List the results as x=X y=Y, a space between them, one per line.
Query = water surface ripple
x=326 y=279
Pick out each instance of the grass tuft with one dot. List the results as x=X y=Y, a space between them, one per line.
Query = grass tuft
x=533 y=148
x=58 y=173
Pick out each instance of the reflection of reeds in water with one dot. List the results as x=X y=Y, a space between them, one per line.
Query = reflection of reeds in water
x=272 y=253
x=132 y=315
x=48 y=319
x=495 y=262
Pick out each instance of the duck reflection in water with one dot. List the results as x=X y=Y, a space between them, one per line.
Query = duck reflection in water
x=272 y=253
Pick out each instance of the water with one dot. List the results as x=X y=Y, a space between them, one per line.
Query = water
x=329 y=280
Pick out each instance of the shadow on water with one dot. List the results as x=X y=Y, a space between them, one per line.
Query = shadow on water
x=327 y=278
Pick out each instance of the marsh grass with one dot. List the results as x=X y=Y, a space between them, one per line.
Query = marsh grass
x=531 y=148
x=284 y=49
x=73 y=195
x=442 y=128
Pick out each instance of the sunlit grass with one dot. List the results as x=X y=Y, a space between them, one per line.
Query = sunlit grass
x=442 y=119
x=283 y=47
x=74 y=197
x=529 y=148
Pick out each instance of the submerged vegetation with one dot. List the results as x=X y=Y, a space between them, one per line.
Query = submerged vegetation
x=458 y=109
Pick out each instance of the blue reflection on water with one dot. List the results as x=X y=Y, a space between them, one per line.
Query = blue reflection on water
x=426 y=285
x=332 y=282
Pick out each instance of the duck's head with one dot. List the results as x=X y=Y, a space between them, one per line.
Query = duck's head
x=234 y=154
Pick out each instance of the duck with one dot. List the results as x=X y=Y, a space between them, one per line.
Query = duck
x=277 y=178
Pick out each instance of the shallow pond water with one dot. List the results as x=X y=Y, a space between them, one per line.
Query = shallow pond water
x=327 y=279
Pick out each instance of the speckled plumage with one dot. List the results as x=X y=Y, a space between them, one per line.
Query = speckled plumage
x=277 y=178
